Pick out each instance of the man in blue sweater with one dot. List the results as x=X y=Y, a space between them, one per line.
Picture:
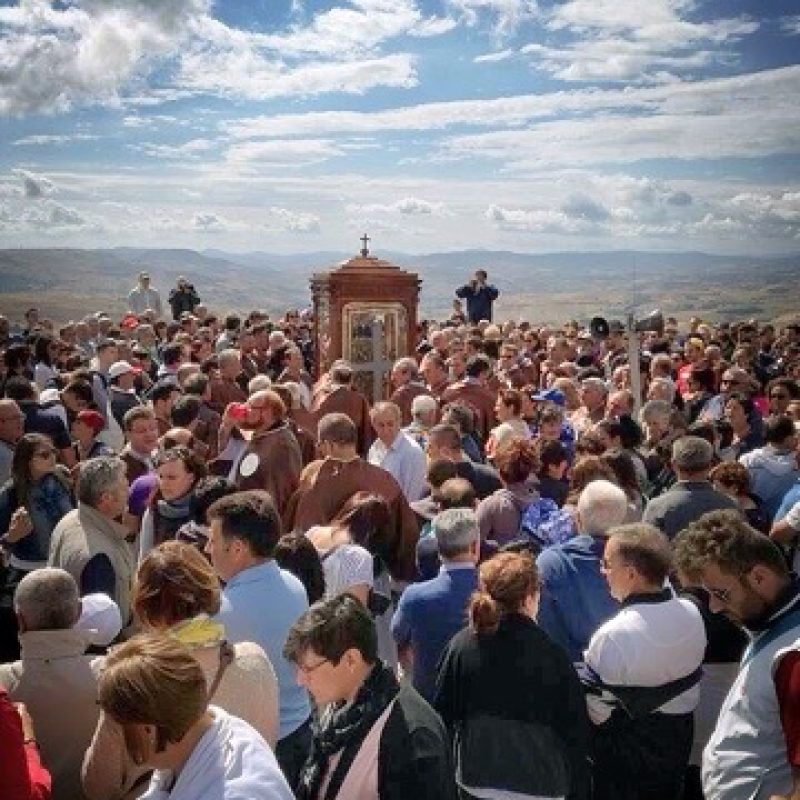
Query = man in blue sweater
x=431 y=612
x=575 y=600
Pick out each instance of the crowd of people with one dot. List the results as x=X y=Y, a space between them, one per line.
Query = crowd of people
x=227 y=574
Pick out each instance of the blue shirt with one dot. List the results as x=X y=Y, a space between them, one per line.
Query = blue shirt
x=575 y=600
x=429 y=614
x=260 y=604
x=789 y=499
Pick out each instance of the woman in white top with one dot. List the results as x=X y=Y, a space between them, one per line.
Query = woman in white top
x=354 y=549
x=155 y=690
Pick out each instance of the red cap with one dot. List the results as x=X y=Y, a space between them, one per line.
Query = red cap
x=130 y=321
x=94 y=419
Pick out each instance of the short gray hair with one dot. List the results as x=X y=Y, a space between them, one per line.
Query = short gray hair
x=98 y=476
x=423 y=404
x=48 y=599
x=408 y=365
x=668 y=387
x=230 y=354
x=386 y=409
x=258 y=383
x=602 y=505
x=655 y=408
x=456 y=531
x=692 y=454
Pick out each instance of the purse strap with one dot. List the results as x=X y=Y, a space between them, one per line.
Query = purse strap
x=226 y=656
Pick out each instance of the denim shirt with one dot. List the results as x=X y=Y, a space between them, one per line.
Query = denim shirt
x=48 y=501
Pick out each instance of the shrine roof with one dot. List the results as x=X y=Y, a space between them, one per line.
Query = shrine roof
x=361 y=265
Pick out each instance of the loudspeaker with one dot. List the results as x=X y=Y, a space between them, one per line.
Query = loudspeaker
x=653 y=322
x=598 y=327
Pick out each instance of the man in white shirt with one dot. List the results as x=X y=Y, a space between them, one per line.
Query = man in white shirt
x=396 y=452
x=643 y=672
x=143 y=297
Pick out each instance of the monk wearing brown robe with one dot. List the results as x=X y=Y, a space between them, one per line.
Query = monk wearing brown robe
x=472 y=391
x=408 y=385
x=337 y=395
x=325 y=485
x=271 y=460
x=290 y=394
x=434 y=370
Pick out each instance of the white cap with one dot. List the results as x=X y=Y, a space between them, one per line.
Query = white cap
x=121 y=368
x=49 y=396
x=100 y=618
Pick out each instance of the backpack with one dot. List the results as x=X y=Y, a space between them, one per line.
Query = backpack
x=545 y=523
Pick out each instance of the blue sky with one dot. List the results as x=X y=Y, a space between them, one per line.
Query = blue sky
x=291 y=125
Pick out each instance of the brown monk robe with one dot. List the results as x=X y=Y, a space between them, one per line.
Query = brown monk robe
x=336 y=395
x=480 y=399
x=326 y=484
x=272 y=459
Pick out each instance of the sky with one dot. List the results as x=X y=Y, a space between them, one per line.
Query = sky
x=433 y=125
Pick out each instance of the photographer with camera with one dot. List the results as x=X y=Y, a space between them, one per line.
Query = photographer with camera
x=183 y=298
x=479 y=296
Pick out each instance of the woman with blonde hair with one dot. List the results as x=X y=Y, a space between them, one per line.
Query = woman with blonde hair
x=177 y=593
x=156 y=693
x=509 y=695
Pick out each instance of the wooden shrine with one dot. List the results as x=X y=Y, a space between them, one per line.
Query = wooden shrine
x=365 y=311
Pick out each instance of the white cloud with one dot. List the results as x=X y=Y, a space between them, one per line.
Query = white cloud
x=791 y=25
x=407 y=206
x=294 y=221
x=192 y=149
x=492 y=58
x=56 y=57
x=635 y=40
x=280 y=152
x=33 y=185
x=507 y=15
x=247 y=73
x=433 y=26
x=53 y=139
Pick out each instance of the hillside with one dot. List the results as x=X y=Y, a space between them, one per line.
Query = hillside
x=548 y=287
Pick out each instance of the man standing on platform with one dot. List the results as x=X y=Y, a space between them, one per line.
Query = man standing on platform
x=479 y=296
x=144 y=297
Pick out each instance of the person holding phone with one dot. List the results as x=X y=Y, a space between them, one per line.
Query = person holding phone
x=479 y=296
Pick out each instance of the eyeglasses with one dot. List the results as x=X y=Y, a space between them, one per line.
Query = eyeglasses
x=307 y=669
x=779 y=396
x=723 y=595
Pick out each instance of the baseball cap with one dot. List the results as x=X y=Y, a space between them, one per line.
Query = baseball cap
x=121 y=368
x=551 y=396
x=94 y=419
x=129 y=322
x=100 y=618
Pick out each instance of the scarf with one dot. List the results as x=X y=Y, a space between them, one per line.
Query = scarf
x=171 y=515
x=343 y=727
x=199 y=632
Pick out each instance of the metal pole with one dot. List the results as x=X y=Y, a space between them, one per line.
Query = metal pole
x=634 y=362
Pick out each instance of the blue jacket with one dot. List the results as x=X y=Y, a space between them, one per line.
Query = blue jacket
x=575 y=600
x=479 y=301
x=427 y=617
x=48 y=501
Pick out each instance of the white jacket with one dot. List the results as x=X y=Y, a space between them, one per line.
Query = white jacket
x=230 y=762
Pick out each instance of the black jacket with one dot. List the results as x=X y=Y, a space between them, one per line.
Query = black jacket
x=516 y=711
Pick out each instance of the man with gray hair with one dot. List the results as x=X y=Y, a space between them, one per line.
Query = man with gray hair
x=575 y=600
x=90 y=543
x=431 y=612
x=424 y=410
x=408 y=385
x=693 y=494
x=54 y=679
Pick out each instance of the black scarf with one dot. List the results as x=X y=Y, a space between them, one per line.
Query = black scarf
x=344 y=727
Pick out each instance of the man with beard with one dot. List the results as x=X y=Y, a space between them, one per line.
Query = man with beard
x=272 y=460
x=754 y=751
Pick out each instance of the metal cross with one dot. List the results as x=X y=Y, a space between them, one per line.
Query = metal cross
x=364 y=240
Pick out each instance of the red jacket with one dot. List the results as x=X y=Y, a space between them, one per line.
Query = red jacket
x=22 y=776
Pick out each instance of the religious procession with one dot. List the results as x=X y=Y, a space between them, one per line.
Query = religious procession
x=353 y=554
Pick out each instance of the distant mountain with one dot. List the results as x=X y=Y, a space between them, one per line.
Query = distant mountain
x=544 y=286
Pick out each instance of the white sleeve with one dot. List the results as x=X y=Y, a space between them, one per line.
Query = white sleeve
x=792 y=517
x=349 y=565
